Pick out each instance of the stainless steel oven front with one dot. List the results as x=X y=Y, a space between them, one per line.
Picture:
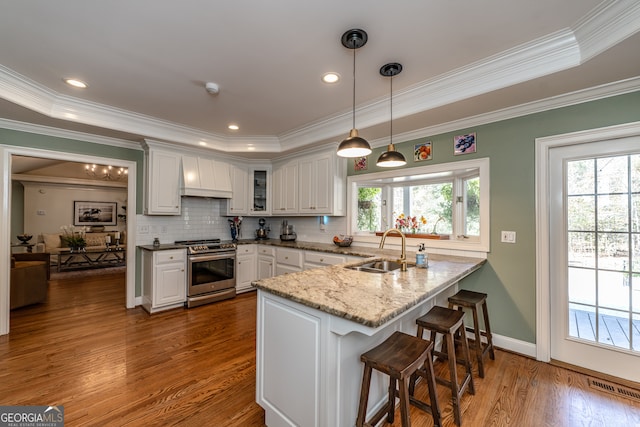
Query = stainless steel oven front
x=211 y=277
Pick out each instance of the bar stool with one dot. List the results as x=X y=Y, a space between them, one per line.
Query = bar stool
x=400 y=357
x=448 y=322
x=476 y=301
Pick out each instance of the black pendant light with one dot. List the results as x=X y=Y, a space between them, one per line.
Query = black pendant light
x=354 y=146
x=391 y=158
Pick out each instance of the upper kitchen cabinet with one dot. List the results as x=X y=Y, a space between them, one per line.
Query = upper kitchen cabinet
x=162 y=180
x=285 y=188
x=322 y=185
x=203 y=177
x=251 y=191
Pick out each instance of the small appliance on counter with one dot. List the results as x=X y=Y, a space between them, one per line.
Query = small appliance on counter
x=287 y=234
x=262 y=232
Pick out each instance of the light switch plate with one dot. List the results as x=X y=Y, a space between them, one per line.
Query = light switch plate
x=508 y=236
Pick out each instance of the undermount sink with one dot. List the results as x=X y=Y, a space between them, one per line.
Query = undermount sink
x=377 y=267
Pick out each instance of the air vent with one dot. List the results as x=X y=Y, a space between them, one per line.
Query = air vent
x=614 y=388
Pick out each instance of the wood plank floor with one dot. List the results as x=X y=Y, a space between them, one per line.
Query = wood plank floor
x=110 y=366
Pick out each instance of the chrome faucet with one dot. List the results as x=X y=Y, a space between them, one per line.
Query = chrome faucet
x=403 y=254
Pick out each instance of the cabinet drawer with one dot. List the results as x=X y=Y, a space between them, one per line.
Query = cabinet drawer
x=323 y=258
x=164 y=257
x=266 y=250
x=246 y=249
x=292 y=257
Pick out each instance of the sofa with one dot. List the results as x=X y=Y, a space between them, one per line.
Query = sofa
x=30 y=273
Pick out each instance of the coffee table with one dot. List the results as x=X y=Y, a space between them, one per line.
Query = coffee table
x=91 y=258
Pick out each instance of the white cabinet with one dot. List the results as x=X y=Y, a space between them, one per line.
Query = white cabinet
x=288 y=260
x=322 y=185
x=245 y=267
x=164 y=279
x=251 y=191
x=266 y=262
x=239 y=202
x=313 y=259
x=162 y=181
x=285 y=188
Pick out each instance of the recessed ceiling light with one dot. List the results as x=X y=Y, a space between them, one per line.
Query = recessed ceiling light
x=203 y=143
x=233 y=126
x=76 y=83
x=331 y=77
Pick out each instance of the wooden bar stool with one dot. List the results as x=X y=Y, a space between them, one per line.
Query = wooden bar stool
x=476 y=301
x=400 y=356
x=445 y=321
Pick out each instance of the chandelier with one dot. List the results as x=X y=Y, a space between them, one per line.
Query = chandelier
x=107 y=173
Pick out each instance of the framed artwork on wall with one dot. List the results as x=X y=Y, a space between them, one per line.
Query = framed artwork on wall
x=464 y=144
x=360 y=163
x=94 y=213
x=422 y=151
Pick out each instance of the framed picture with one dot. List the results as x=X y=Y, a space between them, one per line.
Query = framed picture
x=95 y=213
x=360 y=163
x=464 y=144
x=422 y=151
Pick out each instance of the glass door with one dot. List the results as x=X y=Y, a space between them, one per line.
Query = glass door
x=260 y=193
x=595 y=265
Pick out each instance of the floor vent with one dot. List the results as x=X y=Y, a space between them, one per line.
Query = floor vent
x=614 y=388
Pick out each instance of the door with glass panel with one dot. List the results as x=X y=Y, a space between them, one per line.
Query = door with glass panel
x=595 y=256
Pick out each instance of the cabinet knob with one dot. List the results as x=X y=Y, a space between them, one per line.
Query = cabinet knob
x=170 y=257
x=286 y=257
x=321 y=259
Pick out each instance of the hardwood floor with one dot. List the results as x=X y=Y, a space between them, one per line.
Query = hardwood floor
x=110 y=366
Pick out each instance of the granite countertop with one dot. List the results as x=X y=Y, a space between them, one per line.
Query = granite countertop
x=370 y=299
x=162 y=247
x=329 y=248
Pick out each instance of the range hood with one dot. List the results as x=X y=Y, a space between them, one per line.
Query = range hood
x=203 y=177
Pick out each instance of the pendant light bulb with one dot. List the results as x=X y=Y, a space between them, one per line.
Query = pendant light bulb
x=354 y=145
x=391 y=158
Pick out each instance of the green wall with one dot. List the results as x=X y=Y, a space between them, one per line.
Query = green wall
x=509 y=275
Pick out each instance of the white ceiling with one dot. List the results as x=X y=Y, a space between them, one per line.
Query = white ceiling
x=146 y=63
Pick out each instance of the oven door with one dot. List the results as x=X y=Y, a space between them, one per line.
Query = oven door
x=211 y=273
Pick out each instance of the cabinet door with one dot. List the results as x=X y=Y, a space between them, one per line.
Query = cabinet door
x=238 y=203
x=245 y=272
x=290 y=187
x=260 y=186
x=163 y=183
x=266 y=267
x=170 y=285
x=316 y=185
x=285 y=269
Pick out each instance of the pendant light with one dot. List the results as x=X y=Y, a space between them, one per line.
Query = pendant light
x=354 y=146
x=391 y=158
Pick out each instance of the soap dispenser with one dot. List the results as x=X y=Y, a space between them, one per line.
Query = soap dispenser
x=422 y=260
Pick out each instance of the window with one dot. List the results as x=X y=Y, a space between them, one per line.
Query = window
x=450 y=201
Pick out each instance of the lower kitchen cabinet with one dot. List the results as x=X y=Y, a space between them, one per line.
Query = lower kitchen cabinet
x=245 y=267
x=164 y=279
x=266 y=262
x=288 y=260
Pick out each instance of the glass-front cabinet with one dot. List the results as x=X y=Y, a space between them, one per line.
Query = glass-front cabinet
x=251 y=191
x=260 y=192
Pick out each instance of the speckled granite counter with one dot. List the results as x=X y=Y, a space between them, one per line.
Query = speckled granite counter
x=326 y=247
x=369 y=298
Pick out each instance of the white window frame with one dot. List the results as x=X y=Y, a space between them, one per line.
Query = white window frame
x=460 y=169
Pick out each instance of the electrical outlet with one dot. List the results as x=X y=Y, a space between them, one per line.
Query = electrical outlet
x=143 y=229
x=508 y=236
x=41 y=212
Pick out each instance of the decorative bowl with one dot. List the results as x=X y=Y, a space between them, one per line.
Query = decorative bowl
x=24 y=238
x=343 y=241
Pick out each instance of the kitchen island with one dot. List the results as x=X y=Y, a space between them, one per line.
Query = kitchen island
x=312 y=327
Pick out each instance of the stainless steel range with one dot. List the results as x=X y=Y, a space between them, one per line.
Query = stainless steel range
x=211 y=271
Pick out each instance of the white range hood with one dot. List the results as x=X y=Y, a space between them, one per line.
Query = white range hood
x=203 y=177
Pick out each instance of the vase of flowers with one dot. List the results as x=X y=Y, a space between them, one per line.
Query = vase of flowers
x=410 y=224
x=234 y=225
x=74 y=238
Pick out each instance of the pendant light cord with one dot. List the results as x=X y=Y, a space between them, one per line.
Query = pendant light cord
x=354 y=89
x=391 y=110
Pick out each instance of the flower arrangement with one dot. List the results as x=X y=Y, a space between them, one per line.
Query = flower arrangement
x=74 y=237
x=234 y=224
x=411 y=224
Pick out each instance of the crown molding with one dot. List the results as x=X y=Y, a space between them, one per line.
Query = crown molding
x=609 y=23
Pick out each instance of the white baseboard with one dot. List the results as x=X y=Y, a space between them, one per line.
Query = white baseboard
x=511 y=344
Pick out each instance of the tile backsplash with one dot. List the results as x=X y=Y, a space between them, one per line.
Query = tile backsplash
x=206 y=218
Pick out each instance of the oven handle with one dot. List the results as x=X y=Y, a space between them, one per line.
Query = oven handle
x=212 y=257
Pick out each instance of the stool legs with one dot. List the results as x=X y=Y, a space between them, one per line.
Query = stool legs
x=364 y=396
